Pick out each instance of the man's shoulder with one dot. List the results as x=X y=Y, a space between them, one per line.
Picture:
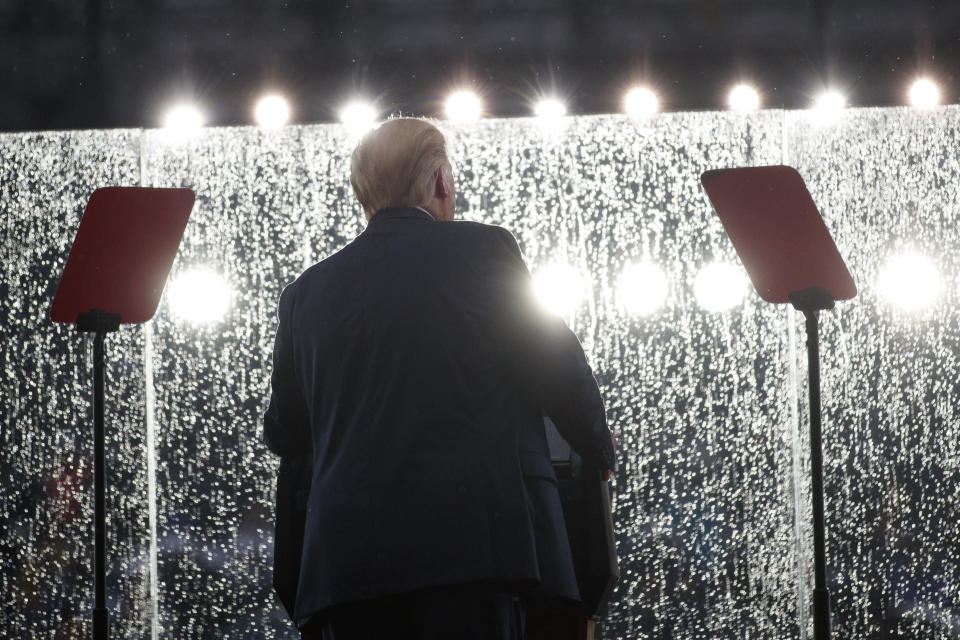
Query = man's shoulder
x=316 y=270
x=469 y=226
x=466 y=236
x=479 y=239
x=475 y=231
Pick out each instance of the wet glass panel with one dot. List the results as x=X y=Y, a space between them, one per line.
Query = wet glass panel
x=46 y=371
x=887 y=182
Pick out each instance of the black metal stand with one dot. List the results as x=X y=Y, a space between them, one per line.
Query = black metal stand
x=99 y=322
x=811 y=301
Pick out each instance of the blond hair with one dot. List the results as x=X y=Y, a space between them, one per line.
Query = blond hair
x=395 y=164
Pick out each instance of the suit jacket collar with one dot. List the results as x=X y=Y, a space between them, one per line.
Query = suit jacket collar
x=394 y=213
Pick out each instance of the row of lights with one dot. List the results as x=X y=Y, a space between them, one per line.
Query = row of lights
x=273 y=111
x=909 y=281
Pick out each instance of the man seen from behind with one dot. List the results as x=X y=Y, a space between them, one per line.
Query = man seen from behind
x=411 y=372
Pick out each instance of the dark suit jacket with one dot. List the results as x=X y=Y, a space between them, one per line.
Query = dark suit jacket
x=412 y=366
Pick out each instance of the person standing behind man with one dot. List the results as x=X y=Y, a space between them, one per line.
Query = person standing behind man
x=414 y=368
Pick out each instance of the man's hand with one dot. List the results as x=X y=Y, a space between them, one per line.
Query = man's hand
x=609 y=472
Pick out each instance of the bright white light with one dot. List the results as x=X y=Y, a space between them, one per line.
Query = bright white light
x=199 y=296
x=272 y=112
x=828 y=107
x=463 y=106
x=560 y=289
x=924 y=94
x=719 y=286
x=550 y=109
x=744 y=98
x=358 y=116
x=909 y=281
x=182 y=120
x=642 y=288
x=640 y=102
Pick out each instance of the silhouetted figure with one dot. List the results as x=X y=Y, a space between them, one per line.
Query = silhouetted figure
x=411 y=369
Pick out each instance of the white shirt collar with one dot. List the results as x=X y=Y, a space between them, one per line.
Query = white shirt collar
x=426 y=212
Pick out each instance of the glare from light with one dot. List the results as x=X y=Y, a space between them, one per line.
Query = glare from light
x=358 y=116
x=199 y=296
x=924 y=94
x=183 y=120
x=909 y=281
x=828 y=107
x=641 y=102
x=559 y=289
x=642 y=288
x=720 y=286
x=463 y=106
x=272 y=112
x=744 y=98
x=550 y=109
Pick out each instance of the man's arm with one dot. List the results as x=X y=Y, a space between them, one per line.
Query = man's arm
x=549 y=360
x=286 y=426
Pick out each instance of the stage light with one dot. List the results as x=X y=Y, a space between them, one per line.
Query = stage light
x=909 y=281
x=199 y=296
x=358 y=116
x=828 y=107
x=719 y=286
x=744 y=98
x=559 y=288
x=463 y=106
x=183 y=120
x=642 y=288
x=924 y=94
x=550 y=109
x=640 y=102
x=272 y=112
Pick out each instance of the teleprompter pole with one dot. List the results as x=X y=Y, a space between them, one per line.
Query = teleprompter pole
x=101 y=621
x=821 y=596
x=810 y=302
x=99 y=323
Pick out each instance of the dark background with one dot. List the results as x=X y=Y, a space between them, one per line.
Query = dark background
x=110 y=63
